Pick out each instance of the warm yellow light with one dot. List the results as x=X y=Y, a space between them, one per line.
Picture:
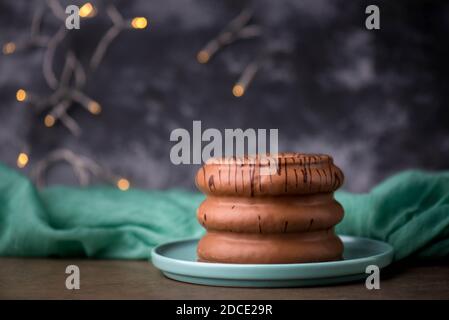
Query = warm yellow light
x=139 y=23
x=49 y=120
x=22 y=160
x=9 y=48
x=203 y=56
x=94 y=107
x=123 y=184
x=21 y=95
x=87 y=10
x=238 y=90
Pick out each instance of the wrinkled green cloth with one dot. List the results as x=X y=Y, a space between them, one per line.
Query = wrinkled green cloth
x=409 y=210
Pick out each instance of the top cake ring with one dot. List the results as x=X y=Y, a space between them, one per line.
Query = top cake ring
x=268 y=175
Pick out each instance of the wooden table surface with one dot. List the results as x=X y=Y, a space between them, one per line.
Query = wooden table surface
x=103 y=279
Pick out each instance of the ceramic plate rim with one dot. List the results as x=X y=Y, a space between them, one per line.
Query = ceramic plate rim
x=271 y=271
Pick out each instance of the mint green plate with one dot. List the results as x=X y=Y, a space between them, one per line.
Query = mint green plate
x=178 y=260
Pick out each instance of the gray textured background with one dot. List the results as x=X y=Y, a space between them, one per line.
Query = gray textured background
x=375 y=100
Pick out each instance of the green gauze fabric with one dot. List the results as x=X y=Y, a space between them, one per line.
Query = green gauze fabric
x=409 y=210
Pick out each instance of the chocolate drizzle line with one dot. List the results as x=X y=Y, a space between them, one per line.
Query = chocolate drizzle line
x=285 y=226
x=337 y=181
x=296 y=178
x=211 y=183
x=304 y=175
x=235 y=179
x=310 y=225
x=319 y=174
x=278 y=167
x=286 y=177
x=325 y=175
x=310 y=173
x=260 y=227
x=251 y=178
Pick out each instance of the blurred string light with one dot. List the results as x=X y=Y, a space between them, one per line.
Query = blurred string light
x=67 y=88
x=87 y=10
x=94 y=107
x=139 y=23
x=245 y=79
x=22 y=160
x=203 y=56
x=49 y=121
x=123 y=184
x=238 y=28
x=21 y=95
x=83 y=167
x=238 y=90
x=9 y=48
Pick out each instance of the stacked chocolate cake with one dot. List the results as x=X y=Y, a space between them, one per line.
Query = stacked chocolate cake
x=270 y=209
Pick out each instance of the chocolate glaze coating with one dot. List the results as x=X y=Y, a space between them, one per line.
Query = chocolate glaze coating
x=256 y=248
x=293 y=174
x=270 y=214
x=287 y=216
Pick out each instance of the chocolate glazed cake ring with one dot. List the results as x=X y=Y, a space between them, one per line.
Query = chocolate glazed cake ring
x=269 y=214
x=284 y=217
x=296 y=174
